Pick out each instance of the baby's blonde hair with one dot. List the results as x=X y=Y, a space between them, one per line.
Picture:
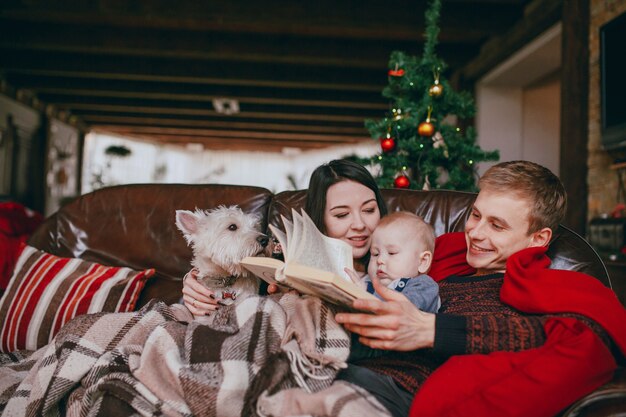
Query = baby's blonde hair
x=423 y=230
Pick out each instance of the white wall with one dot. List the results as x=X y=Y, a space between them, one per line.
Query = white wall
x=150 y=163
x=541 y=120
x=499 y=121
x=518 y=104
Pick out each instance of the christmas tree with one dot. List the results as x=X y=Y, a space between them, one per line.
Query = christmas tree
x=422 y=142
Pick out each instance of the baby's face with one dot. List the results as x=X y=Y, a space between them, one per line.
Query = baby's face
x=395 y=253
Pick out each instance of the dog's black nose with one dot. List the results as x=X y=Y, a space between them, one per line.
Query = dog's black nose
x=262 y=240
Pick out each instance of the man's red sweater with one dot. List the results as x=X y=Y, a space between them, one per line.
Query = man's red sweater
x=541 y=381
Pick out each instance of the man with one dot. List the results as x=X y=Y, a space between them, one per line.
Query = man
x=485 y=310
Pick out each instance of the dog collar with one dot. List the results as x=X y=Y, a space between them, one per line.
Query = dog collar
x=220 y=282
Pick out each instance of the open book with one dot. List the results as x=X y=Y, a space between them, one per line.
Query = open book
x=314 y=263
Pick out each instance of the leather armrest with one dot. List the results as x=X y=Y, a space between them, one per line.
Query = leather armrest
x=608 y=400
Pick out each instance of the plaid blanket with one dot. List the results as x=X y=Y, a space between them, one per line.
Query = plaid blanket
x=160 y=361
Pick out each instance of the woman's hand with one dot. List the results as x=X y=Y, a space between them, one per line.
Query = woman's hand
x=197 y=298
x=396 y=324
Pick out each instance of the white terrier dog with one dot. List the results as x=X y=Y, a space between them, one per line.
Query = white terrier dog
x=220 y=239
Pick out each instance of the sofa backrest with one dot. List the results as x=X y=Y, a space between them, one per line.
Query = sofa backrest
x=134 y=226
x=447 y=211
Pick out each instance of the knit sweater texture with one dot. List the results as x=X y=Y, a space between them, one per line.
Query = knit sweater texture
x=472 y=319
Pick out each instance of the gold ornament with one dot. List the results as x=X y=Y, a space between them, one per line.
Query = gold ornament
x=435 y=90
x=426 y=128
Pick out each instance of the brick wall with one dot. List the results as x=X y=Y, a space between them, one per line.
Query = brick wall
x=601 y=179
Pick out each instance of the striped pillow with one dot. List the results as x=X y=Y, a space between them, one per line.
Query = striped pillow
x=46 y=291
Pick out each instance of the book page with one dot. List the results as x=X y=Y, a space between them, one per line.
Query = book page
x=264 y=268
x=300 y=240
x=316 y=250
x=323 y=284
x=288 y=225
x=281 y=237
x=339 y=255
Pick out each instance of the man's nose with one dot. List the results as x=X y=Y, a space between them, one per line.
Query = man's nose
x=476 y=231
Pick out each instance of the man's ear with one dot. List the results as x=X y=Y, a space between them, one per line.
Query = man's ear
x=426 y=258
x=541 y=237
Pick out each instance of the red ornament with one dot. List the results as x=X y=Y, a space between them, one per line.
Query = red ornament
x=387 y=144
x=426 y=128
x=401 y=181
x=396 y=72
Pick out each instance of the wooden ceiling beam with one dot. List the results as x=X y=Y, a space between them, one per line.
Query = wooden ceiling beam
x=540 y=16
x=249 y=135
x=248 y=111
x=360 y=131
x=289 y=138
x=393 y=20
x=267 y=74
x=324 y=54
x=23 y=69
x=206 y=120
x=140 y=93
x=212 y=46
x=158 y=108
x=305 y=74
x=213 y=143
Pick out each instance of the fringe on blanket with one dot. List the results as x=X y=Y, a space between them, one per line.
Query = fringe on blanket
x=160 y=361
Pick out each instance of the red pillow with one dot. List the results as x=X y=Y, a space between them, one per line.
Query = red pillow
x=17 y=220
x=16 y=225
x=46 y=292
x=10 y=249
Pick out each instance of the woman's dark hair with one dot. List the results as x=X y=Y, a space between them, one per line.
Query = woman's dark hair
x=331 y=173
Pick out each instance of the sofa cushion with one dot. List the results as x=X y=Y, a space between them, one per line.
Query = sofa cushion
x=46 y=291
x=16 y=224
x=134 y=226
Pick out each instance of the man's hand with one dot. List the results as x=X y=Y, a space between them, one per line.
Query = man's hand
x=396 y=324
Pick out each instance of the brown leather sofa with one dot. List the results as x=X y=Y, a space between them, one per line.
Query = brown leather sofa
x=134 y=226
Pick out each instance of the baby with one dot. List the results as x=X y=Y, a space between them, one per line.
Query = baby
x=400 y=257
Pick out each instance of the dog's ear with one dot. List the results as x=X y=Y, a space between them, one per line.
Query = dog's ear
x=187 y=222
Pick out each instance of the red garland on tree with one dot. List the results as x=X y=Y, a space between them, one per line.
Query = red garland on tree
x=401 y=181
x=387 y=144
x=397 y=72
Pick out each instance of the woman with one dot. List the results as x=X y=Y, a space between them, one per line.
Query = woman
x=343 y=201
